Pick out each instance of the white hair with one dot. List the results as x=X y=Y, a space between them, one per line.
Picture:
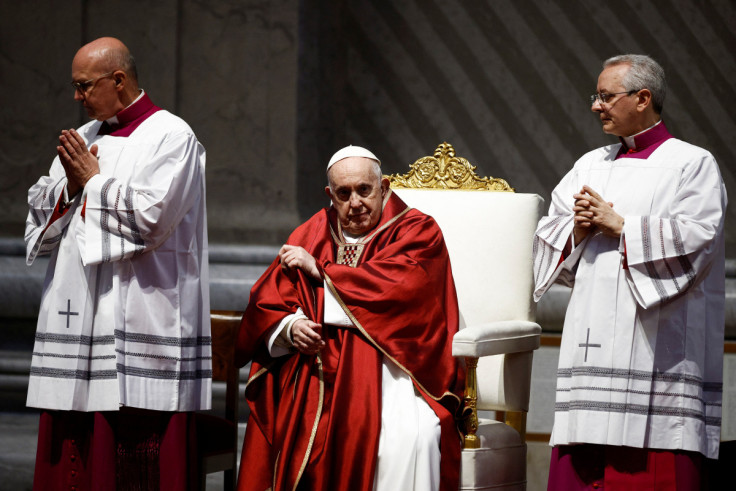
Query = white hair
x=375 y=170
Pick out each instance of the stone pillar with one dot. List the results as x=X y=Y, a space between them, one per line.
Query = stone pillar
x=228 y=68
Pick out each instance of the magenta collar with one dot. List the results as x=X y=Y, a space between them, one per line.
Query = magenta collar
x=645 y=143
x=130 y=118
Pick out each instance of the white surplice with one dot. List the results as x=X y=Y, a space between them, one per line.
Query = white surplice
x=641 y=359
x=124 y=316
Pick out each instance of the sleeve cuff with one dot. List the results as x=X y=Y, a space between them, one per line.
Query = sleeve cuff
x=279 y=337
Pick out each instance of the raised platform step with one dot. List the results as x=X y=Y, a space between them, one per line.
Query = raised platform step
x=233 y=271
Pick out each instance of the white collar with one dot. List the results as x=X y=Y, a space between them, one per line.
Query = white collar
x=114 y=119
x=350 y=238
x=629 y=140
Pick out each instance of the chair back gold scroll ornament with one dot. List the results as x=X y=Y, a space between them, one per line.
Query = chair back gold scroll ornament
x=488 y=229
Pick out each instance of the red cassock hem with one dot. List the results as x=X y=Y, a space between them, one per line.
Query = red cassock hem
x=615 y=468
x=129 y=449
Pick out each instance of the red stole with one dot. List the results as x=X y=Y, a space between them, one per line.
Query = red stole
x=316 y=420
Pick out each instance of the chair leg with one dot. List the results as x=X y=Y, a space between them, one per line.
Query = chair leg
x=517 y=420
x=229 y=480
x=202 y=478
x=471 y=401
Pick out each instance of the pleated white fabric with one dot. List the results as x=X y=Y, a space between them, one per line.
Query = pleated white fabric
x=124 y=317
x=641 y=354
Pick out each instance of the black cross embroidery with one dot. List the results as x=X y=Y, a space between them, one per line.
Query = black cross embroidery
x=587 y=345
x=68 y=312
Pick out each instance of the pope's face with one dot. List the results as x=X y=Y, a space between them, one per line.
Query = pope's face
x=357 y=194
x=99 y=97
x=619 y=115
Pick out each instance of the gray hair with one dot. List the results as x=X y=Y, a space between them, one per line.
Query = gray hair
x=375 y=170
x=120 y=59
x=643 y=73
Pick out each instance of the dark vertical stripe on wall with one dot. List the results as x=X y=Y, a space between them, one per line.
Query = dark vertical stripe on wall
x=179 y=57
x=391 y=83
x=372 y=134
x=83 y=39
x=321 y=107
x=84 y=12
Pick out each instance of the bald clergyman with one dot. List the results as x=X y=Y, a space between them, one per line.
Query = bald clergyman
x=352 y=384
x=122 y=352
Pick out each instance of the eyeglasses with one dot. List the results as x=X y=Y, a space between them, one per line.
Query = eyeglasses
x=82 y=87
x=604 y=98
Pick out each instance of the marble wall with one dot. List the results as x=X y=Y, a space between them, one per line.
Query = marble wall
x=507 y=82
x=227 y=67
x=273 y=87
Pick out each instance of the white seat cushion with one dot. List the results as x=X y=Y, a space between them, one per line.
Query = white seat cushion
x=499 y=464
x=495 y=338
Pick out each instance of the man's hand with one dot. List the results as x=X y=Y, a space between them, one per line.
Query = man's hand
x=295 y=257
x=583 y=224
x=79 y=163
x=593 y=212
x=306 y=336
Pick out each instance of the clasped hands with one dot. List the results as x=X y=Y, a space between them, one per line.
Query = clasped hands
x=79 y=163
x=305 y=334
x=593 y=213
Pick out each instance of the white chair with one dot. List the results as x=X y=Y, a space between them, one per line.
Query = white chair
x=488 y=230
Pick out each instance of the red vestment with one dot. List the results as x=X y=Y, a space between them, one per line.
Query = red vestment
x=315 y=420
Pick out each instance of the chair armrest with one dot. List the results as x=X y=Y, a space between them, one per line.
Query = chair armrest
x=495 y=338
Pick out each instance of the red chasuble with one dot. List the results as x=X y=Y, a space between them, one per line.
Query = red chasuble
x=315 y=420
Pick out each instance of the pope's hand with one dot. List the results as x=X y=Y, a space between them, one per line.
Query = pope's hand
x=79 y=163
x=306 y=336
x=295 y=257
